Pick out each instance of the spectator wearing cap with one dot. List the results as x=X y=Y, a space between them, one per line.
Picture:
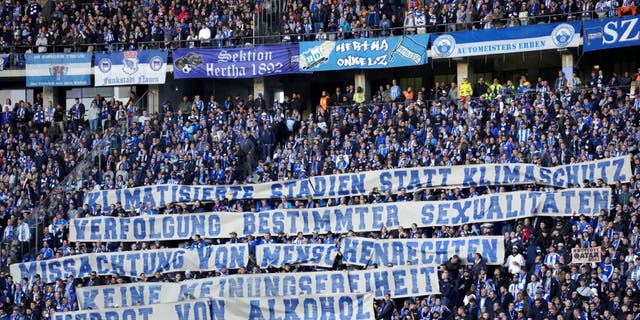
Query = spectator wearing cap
x=515 y=262
x=517 y=284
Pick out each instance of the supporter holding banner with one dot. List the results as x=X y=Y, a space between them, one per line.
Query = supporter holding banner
x=399 y=282
x=234 y=63
x=133 y=263
x=130 y=67
x=184 y=310
x=609 y=170
x=344 y=306
x=341 y=219
x=366 y=252
x=611 y=33
x=277 y=255
x=586 y=255
x=369 y=53
x=58 y=69
x=500 y=41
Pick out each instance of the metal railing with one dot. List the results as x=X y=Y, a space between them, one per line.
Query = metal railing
x=39 y=214
x=267 y=32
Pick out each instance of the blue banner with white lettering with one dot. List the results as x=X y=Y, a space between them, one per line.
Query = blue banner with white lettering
x=133 y=263
x=610 y=170
x=58 y=69
x=341 y=219
x=366 y=53
x=508 y=40
x=184 y=310
x=611 y=33
x=399 y=281
x=130 y=67
x=421 y=251
x=342 y=306
x=234 y=63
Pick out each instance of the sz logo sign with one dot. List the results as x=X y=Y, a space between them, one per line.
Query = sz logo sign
x=612 y=33
x=621 y=31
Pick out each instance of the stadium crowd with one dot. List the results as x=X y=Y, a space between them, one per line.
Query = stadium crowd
x=248 y=140
x=251 y=140
x=64 y=26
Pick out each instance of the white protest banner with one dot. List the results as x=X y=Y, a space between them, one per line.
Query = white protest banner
x=401 y=281
x=398 y=252
x=133 y=263
x=343 y=306
x=185 y=310
x=164 y=194
x=609 y=170
x=340 y=219
x=586 y=255
x=277 y=255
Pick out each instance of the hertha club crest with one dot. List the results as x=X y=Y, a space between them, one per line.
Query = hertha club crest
x=130 y=62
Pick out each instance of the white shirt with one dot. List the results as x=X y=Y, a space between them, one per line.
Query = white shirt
x=93 y=113
x=48 y=113
x=515 y=263
x=142 y=119
x=204 y=34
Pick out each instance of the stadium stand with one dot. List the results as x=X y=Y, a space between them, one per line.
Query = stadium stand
x=127 y=25
x=52 y=157
x=218 y=144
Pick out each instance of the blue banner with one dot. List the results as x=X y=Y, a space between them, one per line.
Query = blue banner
x=58 y=69
x=509 y=40
x=611 y=33
x=369 y=53
x=233 y=63
x=130 y=67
